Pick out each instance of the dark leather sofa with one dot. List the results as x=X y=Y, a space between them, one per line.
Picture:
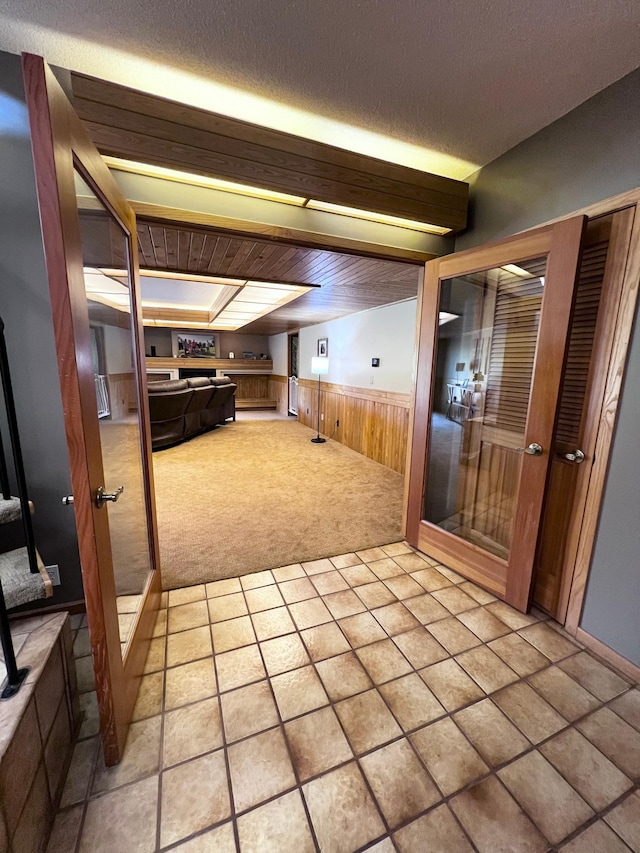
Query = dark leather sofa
x=183 y=408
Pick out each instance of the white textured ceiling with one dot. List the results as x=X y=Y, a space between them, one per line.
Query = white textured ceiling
x=465 y=78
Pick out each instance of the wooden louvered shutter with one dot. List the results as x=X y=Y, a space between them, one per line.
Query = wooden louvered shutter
x=585 y=316
x=513 y=348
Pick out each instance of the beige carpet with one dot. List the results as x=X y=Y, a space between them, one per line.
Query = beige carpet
x=253 y=495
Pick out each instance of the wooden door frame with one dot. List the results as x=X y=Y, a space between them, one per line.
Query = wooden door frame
x=55 y=157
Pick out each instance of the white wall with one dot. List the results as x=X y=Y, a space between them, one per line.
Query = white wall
x=118 y=351
x=387 y=333
x=279 y=354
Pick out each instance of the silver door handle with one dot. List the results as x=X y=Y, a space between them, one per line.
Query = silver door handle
x=102 y=497
x=67 y=500
x=576 y=456
x=532 y=450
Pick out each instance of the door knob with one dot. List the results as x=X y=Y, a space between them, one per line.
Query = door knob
x=576 y=456
x=102 y=497
x=532 y=450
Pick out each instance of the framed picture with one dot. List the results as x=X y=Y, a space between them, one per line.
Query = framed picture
x=323 y=347
x=194 y=345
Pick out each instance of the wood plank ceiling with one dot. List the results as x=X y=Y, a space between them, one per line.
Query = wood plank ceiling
x=137 y=126
x=345 y=283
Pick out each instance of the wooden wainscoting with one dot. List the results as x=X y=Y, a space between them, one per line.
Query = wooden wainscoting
x=279 y=391
x=374 y=423
x=252 y=391
x=123 y=395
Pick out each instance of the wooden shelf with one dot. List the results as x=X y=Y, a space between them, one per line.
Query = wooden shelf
x=246 y=365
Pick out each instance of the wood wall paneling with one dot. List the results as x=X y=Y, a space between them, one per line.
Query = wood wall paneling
x=372 y=423
x=138 y=126
x=279 y=392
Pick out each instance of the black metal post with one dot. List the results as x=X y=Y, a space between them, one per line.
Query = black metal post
x=15 y=676
x=4 y=474
x=17 y=452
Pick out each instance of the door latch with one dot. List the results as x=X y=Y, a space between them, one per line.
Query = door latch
x=102 y=497
x=576 y=456
x=532 y=450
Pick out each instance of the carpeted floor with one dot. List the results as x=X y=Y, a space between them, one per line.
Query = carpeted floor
x=258 y=494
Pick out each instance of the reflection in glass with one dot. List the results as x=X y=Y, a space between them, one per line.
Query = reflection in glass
x=105 y=246
x=485 y=353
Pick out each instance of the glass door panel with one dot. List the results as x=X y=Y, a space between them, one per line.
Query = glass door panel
x=494 y=322
x=105 y=253
x=485 y=352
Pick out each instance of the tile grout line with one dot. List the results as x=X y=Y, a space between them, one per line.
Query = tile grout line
x=353 y=649
x=161 y=745
x=282 y=729
x=223 y=734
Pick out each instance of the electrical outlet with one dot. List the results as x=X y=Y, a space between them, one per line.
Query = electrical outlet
x=54 y=574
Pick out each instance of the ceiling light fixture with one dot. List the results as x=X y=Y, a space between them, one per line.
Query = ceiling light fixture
x=180 y=177
x=382 y=218
x=191 y=179
x=256 y=299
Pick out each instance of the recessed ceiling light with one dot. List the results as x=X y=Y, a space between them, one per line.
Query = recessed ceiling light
x=382 y=218
x=256 y=299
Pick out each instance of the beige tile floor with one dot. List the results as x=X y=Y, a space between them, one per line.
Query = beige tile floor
x=371 y=701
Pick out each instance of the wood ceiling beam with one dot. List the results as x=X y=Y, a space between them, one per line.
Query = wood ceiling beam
x=137 y=126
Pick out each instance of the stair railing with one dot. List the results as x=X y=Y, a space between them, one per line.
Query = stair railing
x=15 y=677
x=14 y=435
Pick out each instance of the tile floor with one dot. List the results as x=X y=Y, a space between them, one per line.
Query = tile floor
x=370 y=701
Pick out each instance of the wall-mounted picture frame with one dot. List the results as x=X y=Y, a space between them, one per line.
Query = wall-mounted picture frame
x=194 y=345
x=323 y=347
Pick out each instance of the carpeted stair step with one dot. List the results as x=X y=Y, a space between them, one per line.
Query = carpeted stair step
x=10 y=510
x=19 y=585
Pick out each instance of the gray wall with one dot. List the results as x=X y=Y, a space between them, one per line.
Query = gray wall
x=25 y=309
x=612 y=605
x=590 y=154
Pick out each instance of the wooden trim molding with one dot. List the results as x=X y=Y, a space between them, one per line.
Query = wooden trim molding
x=608 y=655
x=392 y=398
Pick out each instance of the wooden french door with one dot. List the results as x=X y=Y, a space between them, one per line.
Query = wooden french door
x=89 y=235
x=494 y=324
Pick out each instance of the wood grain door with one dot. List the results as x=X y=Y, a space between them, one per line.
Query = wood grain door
x=492 y=346
x=91 y=255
